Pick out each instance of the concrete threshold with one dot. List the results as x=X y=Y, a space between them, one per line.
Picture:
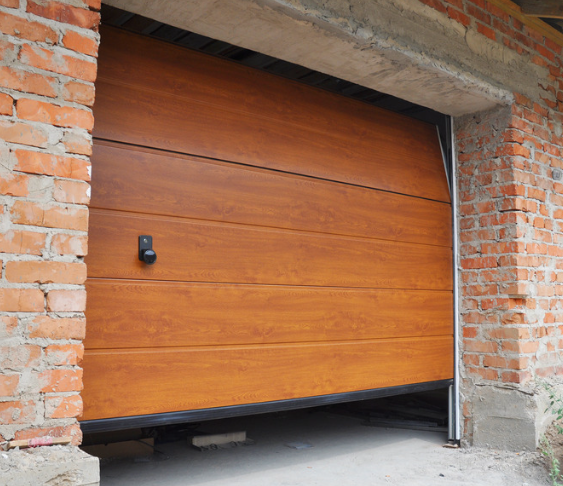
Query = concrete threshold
x=340 y=451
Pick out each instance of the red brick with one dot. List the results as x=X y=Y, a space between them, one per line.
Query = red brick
x=58 y=63
x=64 y=354
x=72 y=192
x=435 y=4
x=17 y=412
x=93 y=4
x=480 y=346
x=46 y=272
x=459 y=16
x=21 y=300
x=72 y=431
x=23 y=133
x=6 y=104
x=66 y=301
x=53 y=165
x=488 y=262
x=30 y=213
x=486 y=31
x=64 y=244
x=64 y=13
x=57 y=328
x=27 y=82
x=22 y=242
x=26 y=29
x=63 y=407
x=516 y=376
x=9 y=385
x=80 y=43
x=13 y=184
x=60 y=116
x=79 y=93
x=10 y=3
x=61 y=380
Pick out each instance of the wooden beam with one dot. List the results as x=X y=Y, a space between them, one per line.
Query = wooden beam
x=542 y=8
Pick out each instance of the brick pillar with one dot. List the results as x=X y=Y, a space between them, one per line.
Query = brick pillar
x=48 y=55
x=511 y=269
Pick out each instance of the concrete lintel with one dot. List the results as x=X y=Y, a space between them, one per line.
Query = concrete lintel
x=399 y=47
x=53 y=466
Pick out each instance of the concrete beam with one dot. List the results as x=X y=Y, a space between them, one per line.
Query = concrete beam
x=399 y=47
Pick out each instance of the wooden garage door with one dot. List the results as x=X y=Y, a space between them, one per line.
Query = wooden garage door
x=303 y=239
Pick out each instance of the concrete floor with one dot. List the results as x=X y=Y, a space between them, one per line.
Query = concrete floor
x=344 y=453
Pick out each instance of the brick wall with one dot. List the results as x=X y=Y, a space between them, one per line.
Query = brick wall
x=511 y=219
x=47 y=69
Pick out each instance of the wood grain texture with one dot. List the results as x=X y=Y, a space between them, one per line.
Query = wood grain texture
x=153 y=94
x=220 y=252
x=151 y=182
x=136 y=382
x=160 y=314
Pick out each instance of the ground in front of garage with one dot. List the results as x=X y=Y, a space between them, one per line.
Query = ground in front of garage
x=328 y=449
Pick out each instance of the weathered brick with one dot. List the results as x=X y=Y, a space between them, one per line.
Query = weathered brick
x=64 y=244
x=79 y=93
x=64 y=354
x=9 y=385
x=19 y=356
x=13 y=184
x=10 y=3
x=17 y=412
x=77 y=143
x=6 y=104
x=61 y=380
x=26 y=29
x=72 y=192
x=20 y=80
x=30 y=213
x=21 y=300
x=46 y=272
x=63 y=407
x=22 y=242
x=54 y=165
x=56 y=62
x=60 y=116
x=57 y=328
x=64 y=13
x=80 y=43
x=23 y=133
x=66 y=301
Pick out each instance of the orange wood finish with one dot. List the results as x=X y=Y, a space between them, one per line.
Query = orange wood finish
x=219 y=252
x=142 y=314
x=138 y=382
x=152 y=182
x=158 y=95
x=303 y=239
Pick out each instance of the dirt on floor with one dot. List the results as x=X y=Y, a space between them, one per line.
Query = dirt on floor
x=337 y=451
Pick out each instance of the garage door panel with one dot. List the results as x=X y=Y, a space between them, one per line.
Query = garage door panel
x=166 y=184
x=157 y=314
x=217 y=252
x=147 y=64
x=159 y=120
x=136 y=382
x=173 y=79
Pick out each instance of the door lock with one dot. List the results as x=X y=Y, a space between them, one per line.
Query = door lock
x=146 y=253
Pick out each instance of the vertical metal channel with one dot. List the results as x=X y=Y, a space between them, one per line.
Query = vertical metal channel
x=447 y=142
x=456 y=436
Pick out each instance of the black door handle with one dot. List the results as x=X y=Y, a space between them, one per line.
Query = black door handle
x=146 y=253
